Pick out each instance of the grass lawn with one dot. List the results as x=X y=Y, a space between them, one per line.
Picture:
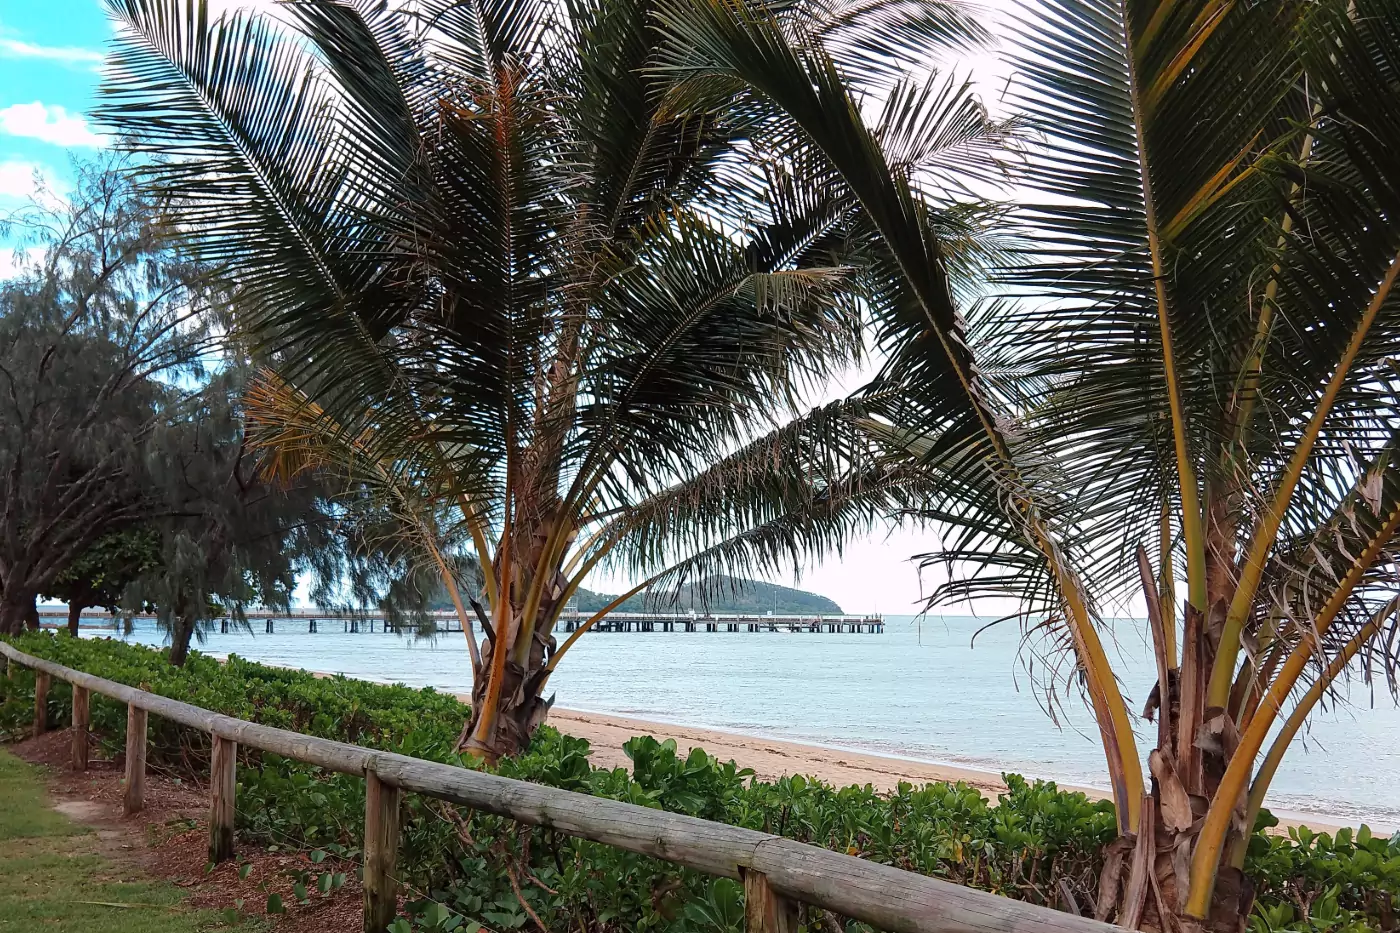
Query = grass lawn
x=54 y=877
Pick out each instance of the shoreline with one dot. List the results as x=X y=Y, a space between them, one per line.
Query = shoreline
x=771 y=758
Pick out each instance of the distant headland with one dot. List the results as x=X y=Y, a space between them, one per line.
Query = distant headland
x=720 y=594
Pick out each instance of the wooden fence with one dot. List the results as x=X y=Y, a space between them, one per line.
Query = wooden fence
x=777 y=873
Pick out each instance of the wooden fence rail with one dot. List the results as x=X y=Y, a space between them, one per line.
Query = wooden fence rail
x=777 y=873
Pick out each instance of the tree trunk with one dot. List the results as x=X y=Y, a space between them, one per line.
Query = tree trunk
x=521 y=708
x=75 y=615
x=1165 y=887
x=17 y=611
x=180 y=633
x=1185 y=765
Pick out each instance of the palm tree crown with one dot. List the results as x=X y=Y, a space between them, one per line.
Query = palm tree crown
x=542 y=296
x=1194 y=353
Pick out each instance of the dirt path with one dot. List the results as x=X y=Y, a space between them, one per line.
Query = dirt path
x=167 y=842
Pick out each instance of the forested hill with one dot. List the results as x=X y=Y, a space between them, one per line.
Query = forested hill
x=727 y=594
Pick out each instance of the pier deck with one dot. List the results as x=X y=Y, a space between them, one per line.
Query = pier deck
x=316 y=620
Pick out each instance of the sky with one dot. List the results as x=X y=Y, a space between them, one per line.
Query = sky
x=51 y=55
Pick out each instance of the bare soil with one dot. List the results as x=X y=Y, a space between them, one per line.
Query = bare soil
x=168 y=839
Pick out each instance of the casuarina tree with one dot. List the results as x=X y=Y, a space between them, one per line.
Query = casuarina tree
x=230 y=536
x=97 y=335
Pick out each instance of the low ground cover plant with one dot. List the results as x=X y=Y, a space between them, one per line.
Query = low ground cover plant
x=467 y=870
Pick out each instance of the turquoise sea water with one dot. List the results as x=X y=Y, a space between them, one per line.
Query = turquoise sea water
x=917 y=691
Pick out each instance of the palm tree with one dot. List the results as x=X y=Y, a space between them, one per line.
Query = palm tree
x=532 y=296
x=1192 y=366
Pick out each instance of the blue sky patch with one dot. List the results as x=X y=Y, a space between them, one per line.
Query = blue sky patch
x=51 y=55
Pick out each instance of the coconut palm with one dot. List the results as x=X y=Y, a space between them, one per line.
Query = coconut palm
x=1191 y=369
x=528 y=295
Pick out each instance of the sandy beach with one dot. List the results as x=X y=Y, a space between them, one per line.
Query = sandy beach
x=772 y=758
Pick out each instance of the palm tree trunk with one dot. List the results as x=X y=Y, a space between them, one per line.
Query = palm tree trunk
x=520 y=708
x=1146 y=873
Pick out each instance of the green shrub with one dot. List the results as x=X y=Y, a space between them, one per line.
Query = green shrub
x=465 y=868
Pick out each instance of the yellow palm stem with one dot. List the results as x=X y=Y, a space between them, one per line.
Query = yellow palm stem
x=1262 y=778
x=1111 y=712
x=548 y=560
x=1266 y=532
x=483 y=550
x=500 y=619
x=1186 y=473
x=1249 y=677
x=572 y=564
x=450 y=582
x=1254 y=361
x=1207 y=21
x=1261 y=683
x=1206 y=860
x=1167 y=589
x=591 y=621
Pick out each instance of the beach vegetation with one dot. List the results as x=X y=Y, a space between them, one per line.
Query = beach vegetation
x=1036 y=842
x=1181 y=391
x=549 y=310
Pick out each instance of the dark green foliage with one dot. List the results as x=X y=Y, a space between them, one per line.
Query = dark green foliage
x=1316 y=881
x=101 y=574
x=96 y=340
x=463 y=867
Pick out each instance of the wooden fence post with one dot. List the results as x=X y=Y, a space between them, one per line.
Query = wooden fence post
x=134 y=795
x=221 y=792
x=381 y=853
x=765 y=910
x=41 y=703
x=82 y=717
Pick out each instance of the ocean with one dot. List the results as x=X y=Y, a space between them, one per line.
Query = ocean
x=920 y=691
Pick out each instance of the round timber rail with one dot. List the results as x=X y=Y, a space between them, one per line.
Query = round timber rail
x=777 y=873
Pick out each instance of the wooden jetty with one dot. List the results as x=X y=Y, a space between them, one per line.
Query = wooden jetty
x=720 y=622
x=778 y=874
x=320 y=620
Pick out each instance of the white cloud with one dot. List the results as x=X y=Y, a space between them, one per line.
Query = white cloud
x=13 y=261
x=67 y=55
x=30 y=180
x=51 y=124
x=17 y=179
